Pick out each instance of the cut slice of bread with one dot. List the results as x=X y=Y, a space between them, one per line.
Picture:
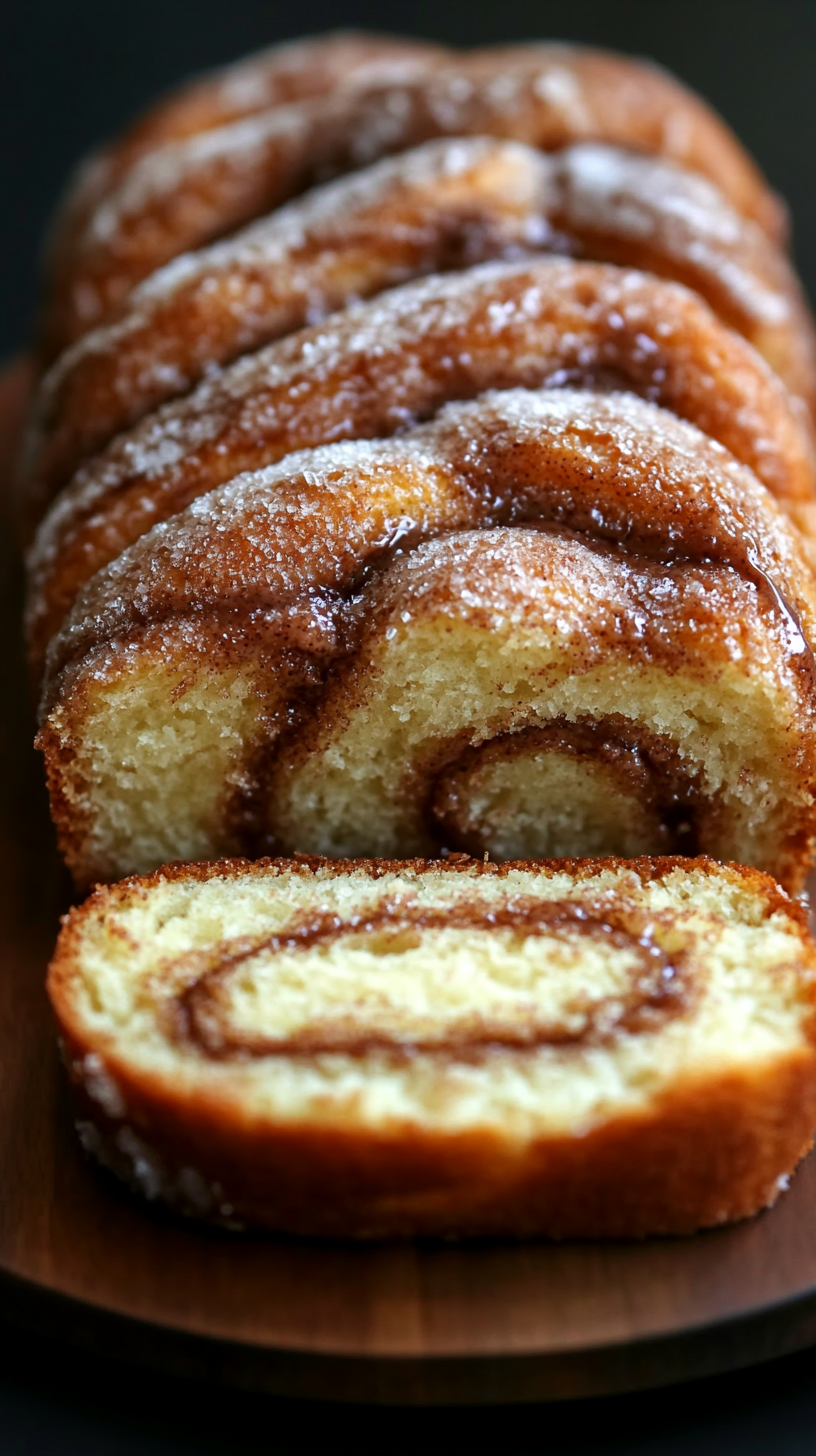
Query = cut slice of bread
x=302 y=659
x=582 y=1048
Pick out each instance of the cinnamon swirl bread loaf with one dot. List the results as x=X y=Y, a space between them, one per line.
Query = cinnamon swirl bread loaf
x=465 y=505
x=580 y=1049
x=344 y=558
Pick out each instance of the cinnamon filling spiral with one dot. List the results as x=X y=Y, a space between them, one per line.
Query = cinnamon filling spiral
x=571 y=788
x=287 y=979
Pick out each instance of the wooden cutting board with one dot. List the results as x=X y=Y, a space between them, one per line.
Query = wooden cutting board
x=433 y=1323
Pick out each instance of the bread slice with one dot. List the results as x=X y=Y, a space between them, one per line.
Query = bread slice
x=369 y=600
x=591 y=1048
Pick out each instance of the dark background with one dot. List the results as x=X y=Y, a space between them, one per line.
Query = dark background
x=72 y=71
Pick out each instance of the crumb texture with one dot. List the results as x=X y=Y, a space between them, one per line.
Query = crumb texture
x=486 y=1028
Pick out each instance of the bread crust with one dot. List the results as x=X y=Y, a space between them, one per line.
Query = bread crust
x=711 y=1150
x=449 y=338
x=184 y=194
x=708 y=1155
x=438 y=207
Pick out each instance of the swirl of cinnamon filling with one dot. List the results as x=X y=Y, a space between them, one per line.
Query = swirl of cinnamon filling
x=444 y=205
x=476 y=637
x=661 y=605
x=604 y=787
x=188 y=192
x=374 y=368
x=313 y=1013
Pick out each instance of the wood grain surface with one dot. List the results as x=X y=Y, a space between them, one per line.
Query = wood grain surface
x=410 y=1323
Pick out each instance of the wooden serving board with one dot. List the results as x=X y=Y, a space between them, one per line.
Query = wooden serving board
x=408 y=1323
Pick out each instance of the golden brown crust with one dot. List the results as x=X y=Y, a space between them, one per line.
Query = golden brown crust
x=709 y=1150
x=647 y=869
x=707 y=1156
x=370 y=370
x=442 y=206
x=183 y=195
x=308 y=527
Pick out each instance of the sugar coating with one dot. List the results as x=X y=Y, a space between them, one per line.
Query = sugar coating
x=502 y=456
x=480 y=196
x=469 y=198
x=512 y=303
x=373 y=369
x=189 y=190
x=382 y=120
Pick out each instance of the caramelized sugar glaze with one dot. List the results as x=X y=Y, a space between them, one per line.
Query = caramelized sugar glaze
x=443 y=206
x=269 y=531
x=375 y=368
x=185 y=193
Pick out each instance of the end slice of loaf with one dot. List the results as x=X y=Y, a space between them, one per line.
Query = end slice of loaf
x=583 y=1048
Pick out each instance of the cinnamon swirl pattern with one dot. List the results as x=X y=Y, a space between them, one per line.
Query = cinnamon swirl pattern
x=376 y=612
x=580 y=1049
x=192 y=189
x=442 y=206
